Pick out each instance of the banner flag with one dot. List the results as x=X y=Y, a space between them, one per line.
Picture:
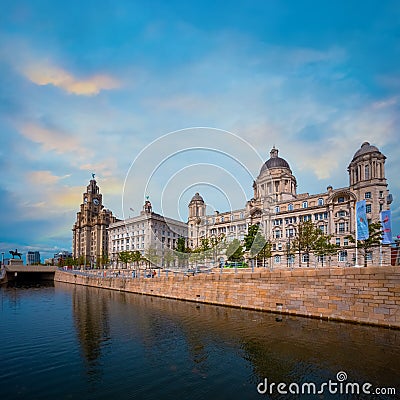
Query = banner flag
x=362 y=222
x=386 y=221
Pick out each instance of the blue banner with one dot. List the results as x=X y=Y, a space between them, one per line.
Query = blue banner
x=386 y=221
x=362 y=222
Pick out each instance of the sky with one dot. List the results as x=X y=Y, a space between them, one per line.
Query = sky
x=163 y=99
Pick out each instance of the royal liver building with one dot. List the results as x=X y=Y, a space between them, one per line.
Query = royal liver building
x=278 y=209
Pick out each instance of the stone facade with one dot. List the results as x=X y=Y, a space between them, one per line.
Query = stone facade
x=90 y=238
x=278 y=209
x=148 y=231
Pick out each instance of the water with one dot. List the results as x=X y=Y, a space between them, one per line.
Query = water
x=72 y=342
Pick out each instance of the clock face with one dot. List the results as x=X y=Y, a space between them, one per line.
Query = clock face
x=96 y=202
x=85 y=200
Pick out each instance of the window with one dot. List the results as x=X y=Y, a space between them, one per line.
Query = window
x=304 y=204
x=345 y=242
x=279 y=246
x=380 y=194
x=305 y=258
x=342 y=214
x=290 y=259
x=369 y=256
x=232 y=217
x=277 y=234
x=341 y=227
x=277 y=259
x=380 y=207
x=290 y=207
x=320 y=202
x=368 y=208
x=321 y=258
x=342 y=256
x=241 y=215
x=340 y=199
x=277 y=209
x=322 y=228
x=290 y=232
x=337 y=242
x=367 y=172
x=367 y=195
x=222 y=219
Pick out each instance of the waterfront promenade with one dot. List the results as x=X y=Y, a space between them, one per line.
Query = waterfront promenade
x=362 y=295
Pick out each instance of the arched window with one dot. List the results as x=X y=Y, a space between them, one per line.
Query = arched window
x=305 y=204
x=277 y=209
x=290 y=207
x=367 y=171
x=320 y=201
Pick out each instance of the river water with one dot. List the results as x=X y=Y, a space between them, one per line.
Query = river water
x=61 y=341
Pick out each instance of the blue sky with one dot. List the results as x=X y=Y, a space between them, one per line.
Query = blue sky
x=86 y=86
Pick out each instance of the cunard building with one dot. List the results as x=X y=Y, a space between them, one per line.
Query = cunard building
x=278 y=209
x=90 y=239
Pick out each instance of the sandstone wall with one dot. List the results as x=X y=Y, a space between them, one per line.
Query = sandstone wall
x=364 y=295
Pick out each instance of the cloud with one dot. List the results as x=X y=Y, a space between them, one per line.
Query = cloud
x=52 y=75
x=52 y=139
x=43 y=178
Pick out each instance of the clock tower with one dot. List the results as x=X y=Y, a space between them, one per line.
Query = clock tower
x=90 y=241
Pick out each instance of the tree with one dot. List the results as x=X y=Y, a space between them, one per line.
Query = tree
x=182 y=251
x=265 y=251
x=151 y=255
x=217 y=244
x=375 y=236
x=258 y=247
x=136 y=257
x=323 y=247
x=168 y=257
x=234 y=251
x=304 y=241
x=249 y=238
x=125 y=257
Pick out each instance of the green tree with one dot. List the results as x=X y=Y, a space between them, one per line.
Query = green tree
x=234 y=251
x=365 y=246
x=182 y=252
x=125 y=257
x=304 y=241
x=265 y=251
x=250 y=237
x=323 y=247
x=136 y=257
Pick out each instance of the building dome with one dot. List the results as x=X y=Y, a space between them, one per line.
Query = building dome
x=366 y=148
x=197 y=197
x=274 y=162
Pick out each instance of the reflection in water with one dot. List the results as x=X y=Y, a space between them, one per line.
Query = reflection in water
x=91 y=321
x=212 y=349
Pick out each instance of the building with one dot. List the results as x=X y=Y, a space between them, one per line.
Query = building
x=90 y=240
x=278 y=209
x=147 y=233
x=32 y=257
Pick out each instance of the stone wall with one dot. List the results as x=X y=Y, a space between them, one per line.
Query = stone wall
x=363 y=295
